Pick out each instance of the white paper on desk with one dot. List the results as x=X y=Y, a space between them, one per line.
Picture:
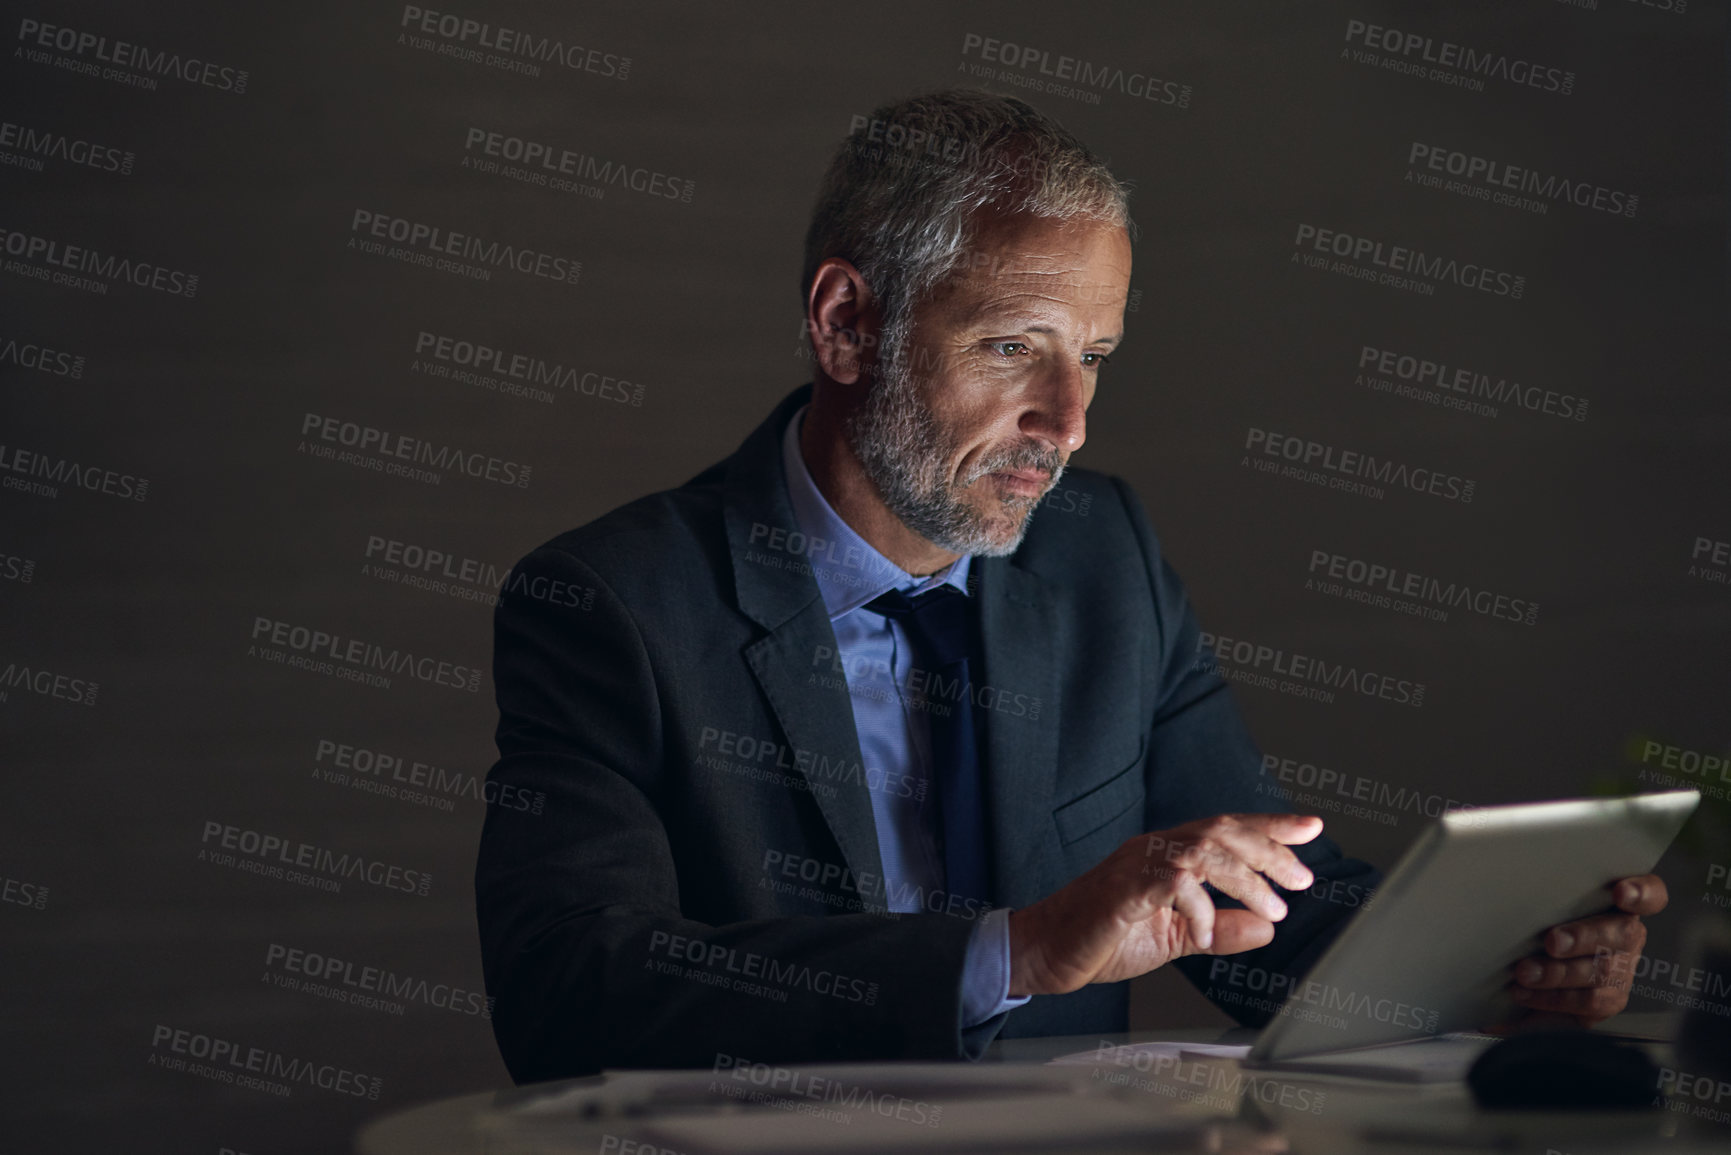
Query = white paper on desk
x=1142 y=1055
x=1044 y=1121
x=1444 y=1059
x=652 y=1091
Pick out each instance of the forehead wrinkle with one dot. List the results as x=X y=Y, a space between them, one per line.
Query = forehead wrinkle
x=1075 y=271
x=1013 y=272
x=1030 y=303
x=1049 y=287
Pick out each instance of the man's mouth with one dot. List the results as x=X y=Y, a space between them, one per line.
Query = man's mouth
x=1022 y=482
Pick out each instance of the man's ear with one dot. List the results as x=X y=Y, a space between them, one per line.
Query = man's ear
x=841 y=316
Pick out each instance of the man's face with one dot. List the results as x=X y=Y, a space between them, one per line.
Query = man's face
x=972 y=422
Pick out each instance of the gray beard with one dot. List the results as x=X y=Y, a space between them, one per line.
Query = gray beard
x=902 y=450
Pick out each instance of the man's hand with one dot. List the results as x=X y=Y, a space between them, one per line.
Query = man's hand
x=1144 y=905
x=1586 y=966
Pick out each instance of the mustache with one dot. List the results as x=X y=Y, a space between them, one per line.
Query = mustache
x=1024 y=455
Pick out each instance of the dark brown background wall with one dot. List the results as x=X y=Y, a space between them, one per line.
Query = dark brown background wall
x=162 y=712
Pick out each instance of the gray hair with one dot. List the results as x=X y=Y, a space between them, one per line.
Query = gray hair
x=900 y=198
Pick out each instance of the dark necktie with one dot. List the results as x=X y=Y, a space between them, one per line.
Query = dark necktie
x=937 y=624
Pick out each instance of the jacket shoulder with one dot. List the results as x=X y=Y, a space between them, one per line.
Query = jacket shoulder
x=661 y=531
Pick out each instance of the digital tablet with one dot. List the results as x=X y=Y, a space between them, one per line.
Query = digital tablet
x=1430 y=953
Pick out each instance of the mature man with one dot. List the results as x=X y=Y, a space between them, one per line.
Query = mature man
x=852 y=744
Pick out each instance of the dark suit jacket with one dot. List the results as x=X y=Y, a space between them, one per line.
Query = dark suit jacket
x=665 y=679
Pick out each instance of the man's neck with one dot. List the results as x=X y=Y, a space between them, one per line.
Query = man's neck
x=851 y=493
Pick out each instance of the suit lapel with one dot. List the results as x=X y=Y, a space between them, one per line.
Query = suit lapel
x=1019 y=642
x=784 y=599
x=819 y=724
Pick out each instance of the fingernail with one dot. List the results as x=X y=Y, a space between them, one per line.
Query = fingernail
x=1528 y=972
x=1565 y=942
x=1207 y=940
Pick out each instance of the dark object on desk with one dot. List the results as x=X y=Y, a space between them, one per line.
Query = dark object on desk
x=1568 y=1068
x=1704 y=1034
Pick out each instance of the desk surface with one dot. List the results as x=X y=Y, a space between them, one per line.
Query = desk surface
x=1177 y=1104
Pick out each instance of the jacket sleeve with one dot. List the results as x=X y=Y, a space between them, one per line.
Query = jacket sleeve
x=585 y=951
x=1202 y=762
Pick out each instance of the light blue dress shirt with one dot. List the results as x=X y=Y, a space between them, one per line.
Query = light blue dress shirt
x=875 y=657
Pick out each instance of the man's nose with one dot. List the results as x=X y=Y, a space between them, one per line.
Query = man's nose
x=1059 y=414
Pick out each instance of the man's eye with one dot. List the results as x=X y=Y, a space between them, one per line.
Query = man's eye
x=1008 y=348
x=1095 y=360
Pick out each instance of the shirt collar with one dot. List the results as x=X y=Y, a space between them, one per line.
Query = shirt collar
x=849 y=571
